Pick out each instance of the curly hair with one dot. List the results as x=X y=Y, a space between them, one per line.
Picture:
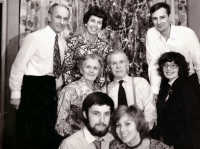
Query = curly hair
x=94 y=57
x=136 y=115
x=96 y=11
x=178 y=59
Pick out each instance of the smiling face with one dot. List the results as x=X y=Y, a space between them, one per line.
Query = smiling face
x=94 y=25
x=58 y=19
x=161 y=20
x=90 y=69
x=98 y=119
x=119 y=65
x=126 y=130
x=170 y=72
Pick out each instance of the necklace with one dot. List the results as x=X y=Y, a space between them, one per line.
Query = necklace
x=137 y=145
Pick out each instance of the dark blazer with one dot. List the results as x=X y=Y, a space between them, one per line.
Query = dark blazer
x=177 y=115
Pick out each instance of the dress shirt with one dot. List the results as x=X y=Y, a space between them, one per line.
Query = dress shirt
x=35 y=58
x=72 y=94
x=83 y=139
x=144 y=96
x=183 y=40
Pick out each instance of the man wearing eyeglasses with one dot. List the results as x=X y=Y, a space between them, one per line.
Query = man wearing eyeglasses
x=165 y=37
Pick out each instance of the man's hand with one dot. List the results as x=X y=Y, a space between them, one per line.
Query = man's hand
x=155 y=97
x=15 y=102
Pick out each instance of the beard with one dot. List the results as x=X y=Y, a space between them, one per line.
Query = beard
x=95 y=132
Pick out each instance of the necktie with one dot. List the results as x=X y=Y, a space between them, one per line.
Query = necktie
x=122 y=95
x=56 y=59
x=97 y=144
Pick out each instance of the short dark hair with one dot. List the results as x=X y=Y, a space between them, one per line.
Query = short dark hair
x=136 y=115
x=96 y=11
x=97 y=98
x=178 y=59
x=159 y=5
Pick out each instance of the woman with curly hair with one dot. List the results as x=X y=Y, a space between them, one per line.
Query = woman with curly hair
x=178 y=103
x=131 y=130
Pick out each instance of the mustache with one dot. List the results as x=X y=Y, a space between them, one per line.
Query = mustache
x=101 y=124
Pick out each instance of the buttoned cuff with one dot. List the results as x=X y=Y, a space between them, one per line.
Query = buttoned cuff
x=15 y=94
x=155 y=90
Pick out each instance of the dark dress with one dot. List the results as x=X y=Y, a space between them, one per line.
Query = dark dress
x=154 y=144
x=178 y=116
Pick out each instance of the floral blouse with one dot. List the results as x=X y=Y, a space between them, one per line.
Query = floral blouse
x=154 y=144
x=69 y=110
x=77 y=47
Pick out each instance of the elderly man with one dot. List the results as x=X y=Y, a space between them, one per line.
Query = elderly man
x=165 y=37
x=126 y=90
x=97 y=110
x=34 y=75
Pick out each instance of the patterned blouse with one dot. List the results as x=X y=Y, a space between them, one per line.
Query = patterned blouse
x=77 y=47
x=69 y=110
x=154 y=144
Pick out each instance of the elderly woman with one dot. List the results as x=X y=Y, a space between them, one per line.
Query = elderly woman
x=69 y=112
x=95 y=20
x=178 y=104
x=132 y=129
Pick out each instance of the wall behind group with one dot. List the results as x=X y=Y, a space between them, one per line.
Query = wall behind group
x=193 y=16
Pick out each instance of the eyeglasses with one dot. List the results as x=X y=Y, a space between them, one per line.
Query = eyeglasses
x=172 y=66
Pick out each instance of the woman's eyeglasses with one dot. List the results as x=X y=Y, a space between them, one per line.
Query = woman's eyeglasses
x=172 y=66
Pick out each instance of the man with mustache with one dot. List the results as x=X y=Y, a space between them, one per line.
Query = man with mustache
x=97 y=110
x=165 y=37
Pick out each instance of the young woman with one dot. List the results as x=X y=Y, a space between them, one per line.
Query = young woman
x=132 y=130
x=69 y=118
x=178 y=103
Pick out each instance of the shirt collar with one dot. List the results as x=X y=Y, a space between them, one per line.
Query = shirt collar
x=171 y=82
x=125 y=79
x=89 y=137
x=173 y=33
x=50 y=31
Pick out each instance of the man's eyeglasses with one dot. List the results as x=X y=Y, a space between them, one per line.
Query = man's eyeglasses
x=172 y=66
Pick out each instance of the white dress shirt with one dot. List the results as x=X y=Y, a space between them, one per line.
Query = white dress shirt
x=183 y=40
x=144 y=96
x=35 y=58
x=83 y=139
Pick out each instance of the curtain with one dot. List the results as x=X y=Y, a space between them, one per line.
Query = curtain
x=128 y=23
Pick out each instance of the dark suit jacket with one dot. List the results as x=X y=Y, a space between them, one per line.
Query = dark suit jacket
x=177 y=115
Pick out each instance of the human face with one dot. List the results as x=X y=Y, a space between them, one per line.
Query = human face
x=170 y=73
x=126 y=131
x=98 y=119
x=58 y=19
x=94 y=25
x=90 y=70
x=118 y=65
x=161 y=20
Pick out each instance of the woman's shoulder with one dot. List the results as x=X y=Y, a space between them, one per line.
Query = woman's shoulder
x=116 y=144
x=155 y=144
